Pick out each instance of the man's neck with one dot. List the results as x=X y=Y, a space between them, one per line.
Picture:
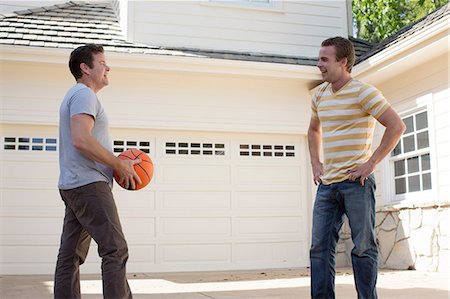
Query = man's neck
x=89 y=84
x=336 y=86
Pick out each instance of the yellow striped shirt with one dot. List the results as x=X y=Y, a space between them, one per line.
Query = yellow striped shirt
x=348 y=120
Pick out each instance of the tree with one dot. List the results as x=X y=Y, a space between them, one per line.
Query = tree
x=375 y=20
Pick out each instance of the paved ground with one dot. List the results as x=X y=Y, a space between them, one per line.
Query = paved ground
x=273 y=284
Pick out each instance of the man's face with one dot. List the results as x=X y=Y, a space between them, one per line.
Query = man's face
x=330 y=68
x=99 y=71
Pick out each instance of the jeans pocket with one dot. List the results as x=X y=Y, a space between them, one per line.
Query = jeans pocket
x=371 y=179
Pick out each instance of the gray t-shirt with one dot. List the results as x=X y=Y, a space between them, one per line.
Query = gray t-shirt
x=76 y=170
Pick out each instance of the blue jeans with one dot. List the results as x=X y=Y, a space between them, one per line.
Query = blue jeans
x=358 y=203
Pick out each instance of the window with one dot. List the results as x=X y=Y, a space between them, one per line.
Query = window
x=121 y=145
x=267 y=150
x=195 y=148
x=411 y=157
x=12 y=143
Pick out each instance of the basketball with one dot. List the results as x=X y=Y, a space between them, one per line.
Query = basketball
x=144 y=169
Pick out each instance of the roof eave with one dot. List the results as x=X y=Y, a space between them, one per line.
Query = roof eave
x=172 y=63
x=412 y=50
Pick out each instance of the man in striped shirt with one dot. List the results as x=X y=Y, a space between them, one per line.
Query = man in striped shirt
x=344 y=113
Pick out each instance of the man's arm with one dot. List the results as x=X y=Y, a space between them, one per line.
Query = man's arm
x=394 y=130
x=314 y=144
x=81 y=127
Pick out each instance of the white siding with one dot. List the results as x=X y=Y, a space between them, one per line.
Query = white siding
x=289 y=28
x=442 y=138
x=167 y=100
x=427 y=82
x=29 y=96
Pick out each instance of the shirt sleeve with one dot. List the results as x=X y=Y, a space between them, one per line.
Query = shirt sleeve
x=372 y=101
x=84 y=101
x=316 y=98
x=314 y=114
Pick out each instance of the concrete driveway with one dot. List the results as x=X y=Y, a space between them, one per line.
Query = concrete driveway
x=283 y=284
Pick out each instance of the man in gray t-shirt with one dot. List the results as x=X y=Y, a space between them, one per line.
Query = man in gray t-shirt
x=76 y=169
x=86 y=177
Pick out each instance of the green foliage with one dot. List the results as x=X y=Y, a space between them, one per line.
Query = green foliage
x=375 y=20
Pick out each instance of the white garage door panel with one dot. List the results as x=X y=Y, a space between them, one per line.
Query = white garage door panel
x=25 y=171
x=189 y=200
x=139 y=230
x=139 y=253
x=272 y=175
x=29 y=254
x=268 y=226
x=269 y=252
x=143 y=199
x=29 y=225
x=35 y=184
x=35 y=169
x=26 y=198
x=198 y=253
x=192 y=227
x=141 y=267
x=30 y=240
x=19 y=268
x=191 y=174
x=268 y=200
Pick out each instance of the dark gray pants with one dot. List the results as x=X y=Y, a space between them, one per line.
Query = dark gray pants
x=91 y=212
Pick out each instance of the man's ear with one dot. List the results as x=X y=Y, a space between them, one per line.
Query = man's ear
x=84 y=68
x=344 y=62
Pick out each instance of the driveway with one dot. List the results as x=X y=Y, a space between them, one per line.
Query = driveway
x=282 y=284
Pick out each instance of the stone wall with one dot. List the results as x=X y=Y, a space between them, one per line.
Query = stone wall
x=408 y=238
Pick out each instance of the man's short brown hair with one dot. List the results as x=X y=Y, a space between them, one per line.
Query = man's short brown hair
x=81 y=55
x=344 y=49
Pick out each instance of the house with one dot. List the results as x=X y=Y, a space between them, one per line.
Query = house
x=411 y=68
x=218 y=93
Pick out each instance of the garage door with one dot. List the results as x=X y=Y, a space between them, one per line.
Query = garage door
x=218 y=201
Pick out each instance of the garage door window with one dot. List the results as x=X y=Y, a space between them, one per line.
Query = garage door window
x=266 y=150
x=195 y=148
x=30 y=144
x=120 y=146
